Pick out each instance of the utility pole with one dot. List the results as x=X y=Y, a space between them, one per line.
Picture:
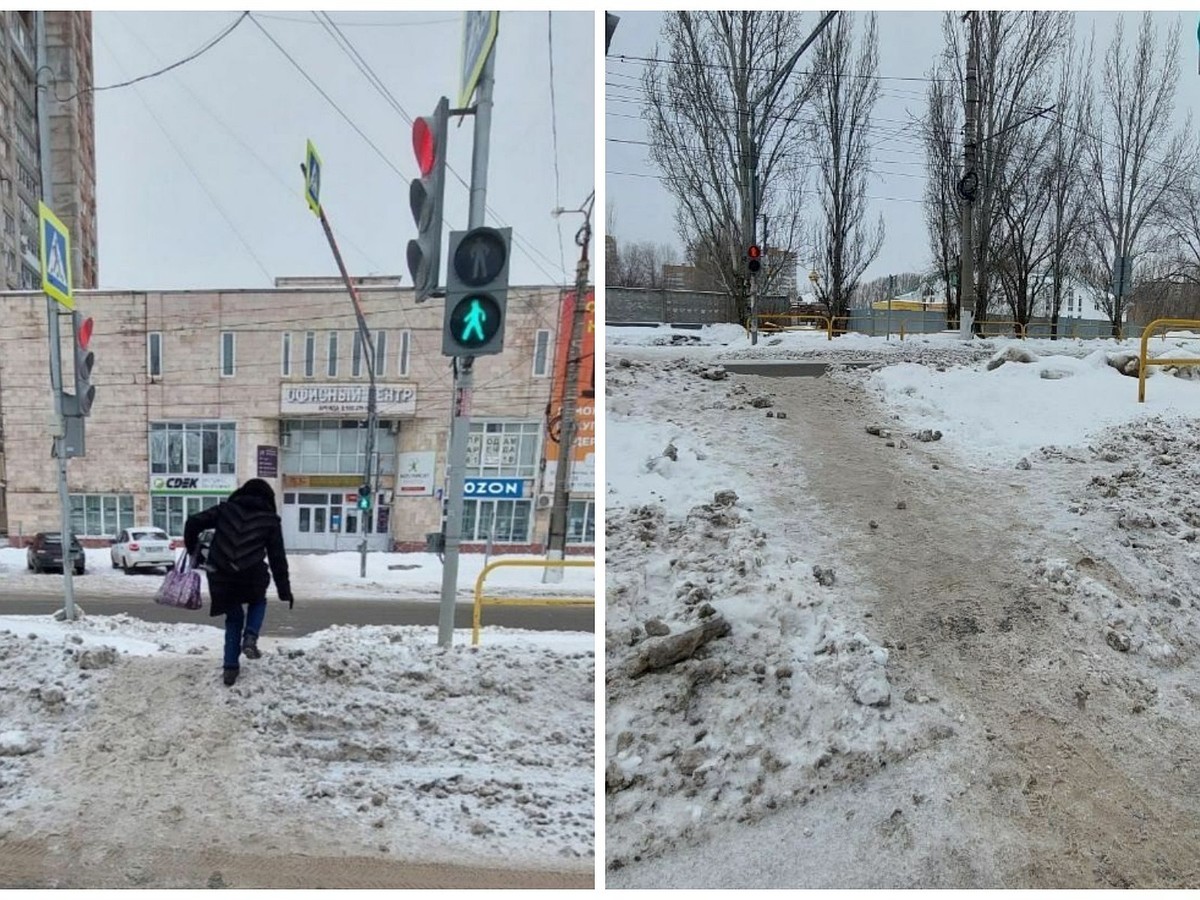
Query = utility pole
x=891 y=292
x=557 y=544
x=460 y=428
x=968 y=185
x=56 y=380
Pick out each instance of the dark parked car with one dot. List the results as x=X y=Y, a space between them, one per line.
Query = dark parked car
x=46 y=552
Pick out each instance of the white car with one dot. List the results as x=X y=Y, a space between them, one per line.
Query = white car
x=144 y=547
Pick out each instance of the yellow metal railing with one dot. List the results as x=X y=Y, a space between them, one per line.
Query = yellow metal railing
x=481 y=600
x=1143 y=361
x=1017 y=327
x=791 y=325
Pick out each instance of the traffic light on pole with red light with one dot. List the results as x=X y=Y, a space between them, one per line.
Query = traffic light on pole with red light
x=85 y=360
x=754 y=258
x=425 y=199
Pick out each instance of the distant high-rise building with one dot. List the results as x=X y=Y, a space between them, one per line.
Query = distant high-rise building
x=71 y=110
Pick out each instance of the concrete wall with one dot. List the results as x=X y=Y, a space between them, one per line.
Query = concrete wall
x=624 y=304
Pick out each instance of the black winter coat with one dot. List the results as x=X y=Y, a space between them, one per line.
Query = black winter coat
x=246 y=528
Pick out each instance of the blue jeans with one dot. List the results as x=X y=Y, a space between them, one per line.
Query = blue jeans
x=239 y=622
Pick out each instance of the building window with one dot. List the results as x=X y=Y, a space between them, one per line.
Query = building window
x=541 y=353
x=332 y=356
x=503 y=449
x=101 y=515
x=10 y=225
x=310 y=353
x=356 y=364
x=227 y=354
x=315 y=447
x=380 y=354
x=193 y=448
x=506 y=521
x=171 y=512
x=581 y=522
x=405 y=347
x=285 y=355
x=154 y=354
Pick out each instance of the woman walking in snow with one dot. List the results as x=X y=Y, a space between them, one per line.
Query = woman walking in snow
x=246 y=528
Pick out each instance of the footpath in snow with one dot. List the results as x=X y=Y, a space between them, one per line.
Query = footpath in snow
x=118 y=742
x=788 y=696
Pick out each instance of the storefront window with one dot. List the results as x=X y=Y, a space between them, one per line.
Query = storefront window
x=508 y=521
x=171 y=512
x=334 y=448
x=503 y=449
x=193 y=448
x=101 y=515
x=581 y=522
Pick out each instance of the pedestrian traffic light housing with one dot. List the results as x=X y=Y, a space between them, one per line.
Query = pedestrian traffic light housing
x=364 y=497
x=754 y=258
x=476 y=292
x=425 y=195
x=85 y=360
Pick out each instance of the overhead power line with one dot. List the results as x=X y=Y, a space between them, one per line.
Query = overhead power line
x=204 y=48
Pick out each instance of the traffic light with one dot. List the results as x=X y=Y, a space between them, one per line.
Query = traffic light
x=476 y=292
x=85 y=359
x=364 y=497
x=425 y=198
x=754 y=258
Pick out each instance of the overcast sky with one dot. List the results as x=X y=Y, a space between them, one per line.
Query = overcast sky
x=198 y=170
x=908 y=44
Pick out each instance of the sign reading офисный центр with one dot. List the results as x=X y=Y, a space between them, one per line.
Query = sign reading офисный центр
x=338 y=399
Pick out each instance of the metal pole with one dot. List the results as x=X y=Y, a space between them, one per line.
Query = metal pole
x=557 y=545
x=56 y=374
x=967 y=297
x=891 y=290
x=460 y=428
x=372 y=413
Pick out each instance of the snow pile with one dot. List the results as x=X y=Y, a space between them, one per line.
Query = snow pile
x=736 y=685
x=994 y=417
x=354 y=741
x=668 y=336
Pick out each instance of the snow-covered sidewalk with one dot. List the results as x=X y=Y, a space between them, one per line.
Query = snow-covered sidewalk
x=369 y=741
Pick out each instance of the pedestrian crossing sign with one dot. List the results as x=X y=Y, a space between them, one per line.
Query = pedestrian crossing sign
x=312 y=179
x=56 y=257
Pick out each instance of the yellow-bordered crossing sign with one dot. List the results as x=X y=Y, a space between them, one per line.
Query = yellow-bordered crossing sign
x=55 y=253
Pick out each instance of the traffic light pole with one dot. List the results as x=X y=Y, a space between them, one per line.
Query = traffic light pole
x=56 y=380
x=372 y=410
x=460 y=427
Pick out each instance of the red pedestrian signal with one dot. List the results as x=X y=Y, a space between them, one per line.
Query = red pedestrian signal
x=754 y=258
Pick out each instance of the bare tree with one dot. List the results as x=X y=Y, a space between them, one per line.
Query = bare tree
x=844 y=96
x=1138 y=162
x=1185 y=229
x=722 y=113
x=1016 y=50
x=943 y=120
x=1065 y=178
x=640 y=264
x=1023 y=230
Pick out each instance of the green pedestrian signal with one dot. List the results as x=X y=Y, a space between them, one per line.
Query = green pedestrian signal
x=474 y=321
x=364 y=497
x=476 y=292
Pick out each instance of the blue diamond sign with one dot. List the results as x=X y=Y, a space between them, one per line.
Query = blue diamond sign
x=56 y=257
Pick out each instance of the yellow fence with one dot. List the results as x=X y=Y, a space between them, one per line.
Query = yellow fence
x=789 y=322
x=1017 y=327
x=1163 y=361
x=531 y=600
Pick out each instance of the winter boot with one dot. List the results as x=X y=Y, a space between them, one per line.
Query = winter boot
x=230 y=676
x=250 y=646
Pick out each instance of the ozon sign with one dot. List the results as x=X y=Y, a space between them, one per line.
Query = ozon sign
x=505 y=488
x=192 y=484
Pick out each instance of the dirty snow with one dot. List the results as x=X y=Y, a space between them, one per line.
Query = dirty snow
x=368 y=741
x=797 y=704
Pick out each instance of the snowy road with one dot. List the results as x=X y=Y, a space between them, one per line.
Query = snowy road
x=1034 y=630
